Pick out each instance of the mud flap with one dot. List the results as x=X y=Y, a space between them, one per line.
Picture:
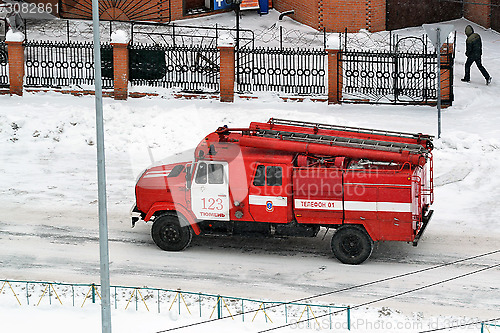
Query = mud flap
x=425 y=220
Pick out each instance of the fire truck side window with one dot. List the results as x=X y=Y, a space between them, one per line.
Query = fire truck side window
x=215 y=174
x=176 y=171
x=274 y=175
x=260 y=176
x=201 y=173
x=270 y=176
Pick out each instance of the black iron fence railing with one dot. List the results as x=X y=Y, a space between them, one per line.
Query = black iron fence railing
x=383 y=68
x=192 y=69
x=405 y=73
x=289 y=71
x=406 y=78
x=63 y=64
x=4 y=63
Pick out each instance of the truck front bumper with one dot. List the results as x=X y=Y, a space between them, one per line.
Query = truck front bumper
x=425 y=223
x=135 y=215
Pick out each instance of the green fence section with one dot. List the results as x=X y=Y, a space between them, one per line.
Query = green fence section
x=184 y=302
x=484 y=327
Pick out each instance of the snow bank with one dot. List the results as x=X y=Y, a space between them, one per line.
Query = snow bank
x=333 y=42
x=226 y=40
x=120 y=36
x=12 y=36
x=61 y=319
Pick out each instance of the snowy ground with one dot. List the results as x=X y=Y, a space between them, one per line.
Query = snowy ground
x=265 y=30
x=49 y=220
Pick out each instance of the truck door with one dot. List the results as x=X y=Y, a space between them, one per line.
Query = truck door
x=210 y=191
x=268 y=198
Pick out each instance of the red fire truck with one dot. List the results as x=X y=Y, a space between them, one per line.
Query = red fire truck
x=289 y=178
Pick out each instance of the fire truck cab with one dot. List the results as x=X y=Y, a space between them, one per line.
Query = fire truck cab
x=289 y=178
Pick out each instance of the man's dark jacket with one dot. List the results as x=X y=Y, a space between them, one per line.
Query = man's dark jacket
x=473 y=47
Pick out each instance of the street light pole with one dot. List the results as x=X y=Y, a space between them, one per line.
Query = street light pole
x=101 y=178
x=437 y=34
x=237 y=11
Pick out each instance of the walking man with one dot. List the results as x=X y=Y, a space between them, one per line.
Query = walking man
x=473 y=51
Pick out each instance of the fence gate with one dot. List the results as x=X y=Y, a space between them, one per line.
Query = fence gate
x=191 y=69
x=4 y=64
x=405 y=75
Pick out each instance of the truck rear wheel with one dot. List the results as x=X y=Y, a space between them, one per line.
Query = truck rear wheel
x=351 y=245
x=168 y=233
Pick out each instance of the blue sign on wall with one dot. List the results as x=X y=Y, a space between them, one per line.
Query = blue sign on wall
x=221 y=4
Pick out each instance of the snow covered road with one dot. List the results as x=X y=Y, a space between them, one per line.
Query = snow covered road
x=57 y=247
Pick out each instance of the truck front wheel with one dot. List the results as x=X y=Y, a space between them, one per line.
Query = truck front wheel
x=351 y=245
x=168 y=233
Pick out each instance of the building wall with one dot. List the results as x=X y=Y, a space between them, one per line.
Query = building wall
x=306 y=12
x=495 y=15
x=336 y=15
x=135 y=10
x=125 y=10
x=411 y=13
x=479 y=13
x=377 y=12
x=339 y=15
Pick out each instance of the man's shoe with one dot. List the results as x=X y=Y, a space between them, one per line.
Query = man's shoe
x=465 y=80
x=488 y=80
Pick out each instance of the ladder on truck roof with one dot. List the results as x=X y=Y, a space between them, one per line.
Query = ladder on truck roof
x=286 y=122
x=396 y=147
x=349 y=142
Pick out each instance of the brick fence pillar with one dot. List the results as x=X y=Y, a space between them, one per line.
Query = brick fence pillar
x=227 y=70
x=334 y=76
x=16 y=66
x=446 y=74
x=120 y=41
x=120 y=70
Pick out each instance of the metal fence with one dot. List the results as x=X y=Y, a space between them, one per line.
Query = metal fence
x=63 y=64
x=379 y=77
x=384 y=68
x=4 y=64
x=200 y=305
x=193 y=69
x=289 y=71
x=373 y=68
x=485 y=327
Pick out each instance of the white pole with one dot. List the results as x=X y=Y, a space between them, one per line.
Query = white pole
x=101 y=178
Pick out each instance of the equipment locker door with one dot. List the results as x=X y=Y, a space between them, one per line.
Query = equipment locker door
x=318 y=195
x=268 y=198
x=210 y=191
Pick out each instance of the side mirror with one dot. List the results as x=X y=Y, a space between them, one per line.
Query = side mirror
x=188 y=176
x=211 y=150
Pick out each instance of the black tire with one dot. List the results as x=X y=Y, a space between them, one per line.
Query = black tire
x=351 y=245
x=168 y=233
